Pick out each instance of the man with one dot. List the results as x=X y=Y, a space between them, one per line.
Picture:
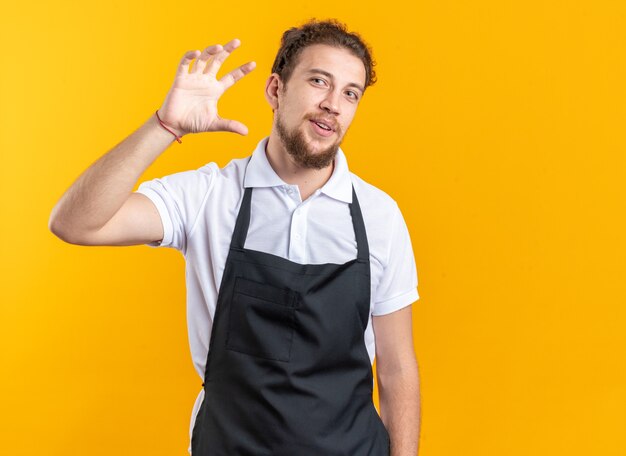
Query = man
x=298 y=271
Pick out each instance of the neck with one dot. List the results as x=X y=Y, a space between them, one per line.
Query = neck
x=307 y=179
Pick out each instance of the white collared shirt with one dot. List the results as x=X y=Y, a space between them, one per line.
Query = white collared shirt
x=198 y=209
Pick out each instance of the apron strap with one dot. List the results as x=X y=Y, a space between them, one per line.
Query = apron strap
x=363 y=251
x=243 y=222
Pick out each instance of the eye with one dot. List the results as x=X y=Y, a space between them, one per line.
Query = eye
x=317 y=79
x=353 y=93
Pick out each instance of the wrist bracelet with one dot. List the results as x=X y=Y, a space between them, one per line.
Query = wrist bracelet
x=163 y=125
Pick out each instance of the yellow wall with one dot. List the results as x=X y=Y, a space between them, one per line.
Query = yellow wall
x=497 y=126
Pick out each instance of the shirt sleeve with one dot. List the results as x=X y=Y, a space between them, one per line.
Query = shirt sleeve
x=398 y=285
x=179 y=198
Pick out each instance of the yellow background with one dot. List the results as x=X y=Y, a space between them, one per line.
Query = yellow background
x=497 y=126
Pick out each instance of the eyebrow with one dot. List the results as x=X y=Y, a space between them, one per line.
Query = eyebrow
x=329 y=75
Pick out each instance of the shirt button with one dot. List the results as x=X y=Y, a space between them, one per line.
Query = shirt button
x=297 y=236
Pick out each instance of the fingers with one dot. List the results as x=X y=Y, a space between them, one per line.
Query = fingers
x=183 y=68
x=230 y=125
x=213 y=67
x=238 y=73
x=205 y=56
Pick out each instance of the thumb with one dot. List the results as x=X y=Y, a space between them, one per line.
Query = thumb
x=230 y=125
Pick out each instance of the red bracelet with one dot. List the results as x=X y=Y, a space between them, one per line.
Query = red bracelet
x=163 y=125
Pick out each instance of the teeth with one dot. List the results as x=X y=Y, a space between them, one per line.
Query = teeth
x=323 y=126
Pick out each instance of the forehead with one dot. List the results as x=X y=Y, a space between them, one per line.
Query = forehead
x=340 y=62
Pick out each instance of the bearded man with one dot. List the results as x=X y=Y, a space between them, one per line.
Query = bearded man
x=299 y=273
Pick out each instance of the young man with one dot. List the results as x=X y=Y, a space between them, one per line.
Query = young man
x=298 y=271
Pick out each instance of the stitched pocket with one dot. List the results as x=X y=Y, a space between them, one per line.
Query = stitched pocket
x=261 y=320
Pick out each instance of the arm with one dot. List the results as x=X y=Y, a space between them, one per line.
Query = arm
x=100 y=207
x=398 y=380
x=103 y=193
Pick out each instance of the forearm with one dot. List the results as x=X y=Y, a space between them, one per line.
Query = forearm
x=102 y=189
x=400 y=410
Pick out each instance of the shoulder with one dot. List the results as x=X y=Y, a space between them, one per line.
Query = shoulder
x=233 y=172
x=380 y=215
x=229 y=175
x=374 y=202
x=227 y=183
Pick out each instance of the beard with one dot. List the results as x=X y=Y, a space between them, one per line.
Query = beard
x=296 y=146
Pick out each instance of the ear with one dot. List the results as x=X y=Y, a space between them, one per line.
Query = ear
x=273 y=88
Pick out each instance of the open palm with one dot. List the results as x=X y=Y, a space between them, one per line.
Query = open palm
x=191 y=104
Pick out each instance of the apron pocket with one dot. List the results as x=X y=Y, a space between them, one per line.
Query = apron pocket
x=261 y=320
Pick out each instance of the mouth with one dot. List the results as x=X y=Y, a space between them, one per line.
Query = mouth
x=322 y=128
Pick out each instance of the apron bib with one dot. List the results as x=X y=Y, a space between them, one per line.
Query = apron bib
x=287 y=372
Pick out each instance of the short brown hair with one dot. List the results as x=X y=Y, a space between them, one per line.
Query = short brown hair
x=330 y=32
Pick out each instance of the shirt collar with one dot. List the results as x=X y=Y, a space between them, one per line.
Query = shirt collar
x=259 y=173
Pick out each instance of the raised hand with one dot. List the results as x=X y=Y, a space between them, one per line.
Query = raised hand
x=191 y=104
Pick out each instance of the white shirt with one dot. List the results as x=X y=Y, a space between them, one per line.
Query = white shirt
x=198 y=209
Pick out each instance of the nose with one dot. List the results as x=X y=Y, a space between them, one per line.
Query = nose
x=330 y=103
